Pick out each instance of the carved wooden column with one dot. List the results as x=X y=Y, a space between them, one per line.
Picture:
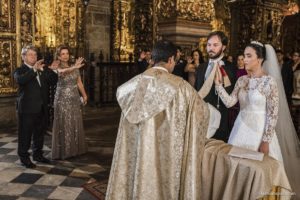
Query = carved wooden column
x=122 y=45
x=255 y=20
x=143 y=25
x=184 y=22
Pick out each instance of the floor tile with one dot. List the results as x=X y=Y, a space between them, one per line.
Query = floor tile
x=9 y=158
x=5 y=150
x=28 y=198
x=65 y=193
x=84 y=195
x=27 y=178
x=2 y=143
x=53 y=180
x=13 y=188
x=92 y=168
x=79 y=174
x=60 y=171
x=10 y=146
x=40 y=169
x=8 y=174
x=5 y=197
x=73 y=182
x=39 y=191
x=14 y=152
x=7 y=139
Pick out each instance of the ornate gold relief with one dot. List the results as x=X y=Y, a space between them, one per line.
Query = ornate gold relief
x=26 y=24
x=123 y=30
x=7 y=64
x=221 y=17
x=196 y=10
x=144 y=25
x=260 y=20
x=8 y=50
x=7 y=17
x=61 y=24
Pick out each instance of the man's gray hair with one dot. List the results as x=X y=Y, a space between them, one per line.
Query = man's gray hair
x=26 y=48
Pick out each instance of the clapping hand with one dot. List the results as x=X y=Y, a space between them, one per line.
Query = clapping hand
x=79 y=63
x=39 y=65
x=189 y=59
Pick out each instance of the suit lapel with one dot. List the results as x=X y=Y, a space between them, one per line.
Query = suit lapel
x=204 y=68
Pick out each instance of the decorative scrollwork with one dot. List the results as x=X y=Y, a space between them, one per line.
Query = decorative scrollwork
x=26 y=22
x=196 y=10
x=7 y=17
x=7 y=64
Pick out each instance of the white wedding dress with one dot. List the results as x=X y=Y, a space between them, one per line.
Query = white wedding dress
x=258 y=98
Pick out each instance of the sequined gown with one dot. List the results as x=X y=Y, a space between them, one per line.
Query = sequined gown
x=256 y=121
x=68 y=138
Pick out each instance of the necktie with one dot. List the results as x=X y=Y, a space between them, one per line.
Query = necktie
x=38 y=78
x=209 y=69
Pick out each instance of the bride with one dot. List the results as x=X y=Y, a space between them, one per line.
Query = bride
x=264 y=123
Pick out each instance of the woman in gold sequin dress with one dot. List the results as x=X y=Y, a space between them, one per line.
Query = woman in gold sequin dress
x=68 y=137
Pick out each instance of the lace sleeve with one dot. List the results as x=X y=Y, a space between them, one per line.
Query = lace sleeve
x=232 y=99
x=272 y=110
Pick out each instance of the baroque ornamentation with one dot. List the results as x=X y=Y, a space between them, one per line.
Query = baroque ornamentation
x=256 y=21
x=7 y=18
x=144 y=15
x=196 y=10
x=8 y=49
x=7 y=64
x=123 y=30
x=26 y=23
x=61 y=24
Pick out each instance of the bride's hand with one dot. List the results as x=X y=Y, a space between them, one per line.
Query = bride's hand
x=264 y=148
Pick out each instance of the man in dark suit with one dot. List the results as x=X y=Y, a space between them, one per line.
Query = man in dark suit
x=287 y=75
x=144 y=62
x=32 y=100
x=180 y=65
x=216 y=44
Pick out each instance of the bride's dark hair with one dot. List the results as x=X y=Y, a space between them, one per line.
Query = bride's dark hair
x=259 y=48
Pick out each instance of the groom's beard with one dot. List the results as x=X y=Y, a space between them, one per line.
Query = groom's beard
x=215 y=56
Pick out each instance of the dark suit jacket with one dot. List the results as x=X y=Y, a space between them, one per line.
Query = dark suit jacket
x=179 y=69
x=142 y=65
x=287 y=78
x=212 y=98
x=32 y=97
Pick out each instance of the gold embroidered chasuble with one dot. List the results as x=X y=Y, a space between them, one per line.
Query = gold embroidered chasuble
x=161 y=138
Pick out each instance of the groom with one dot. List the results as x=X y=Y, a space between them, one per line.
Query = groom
x=216 y=45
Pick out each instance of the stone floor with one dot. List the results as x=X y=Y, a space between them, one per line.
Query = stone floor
x=60 y=179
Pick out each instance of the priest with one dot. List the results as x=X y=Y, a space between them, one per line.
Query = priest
x=161 y=135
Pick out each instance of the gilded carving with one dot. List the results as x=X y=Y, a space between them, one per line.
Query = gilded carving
x=123 y=30
x=7 y=64
x=7 y=17
x=144 y=29
x=166 y=8
x=62 y=23
x=260 y=20
x=26 y=22
x=196 y=10
x=221 y=16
